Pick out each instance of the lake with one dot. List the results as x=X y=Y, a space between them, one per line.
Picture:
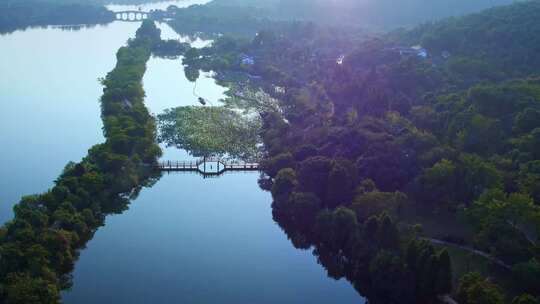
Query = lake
x=184 y=240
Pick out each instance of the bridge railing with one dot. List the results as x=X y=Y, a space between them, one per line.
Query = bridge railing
x=203 y=164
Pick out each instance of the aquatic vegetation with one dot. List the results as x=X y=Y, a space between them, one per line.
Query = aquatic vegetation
x=207 y=131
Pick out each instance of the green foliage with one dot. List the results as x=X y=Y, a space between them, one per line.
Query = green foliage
x=454 y=133
x=342 y=181
x=437 y=181
x=39 y=246
x=508 y=223
x=170 y=48
x=529 y=179
x=243 y=21
x=23 y=288
x=374 y=203
x=303 y=208
x=389 y=277
x=338 y=228
x=273 y=165
x=500 y=38
x=527 y=120
x=525 y=299
x=388 y=236
x=210 y=131
x=313 y=175
x=473 y=289
x=476 y=176
x=284 y=183
x=527 y=275
x=444 y=276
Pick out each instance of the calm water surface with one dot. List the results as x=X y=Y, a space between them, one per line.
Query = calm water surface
x=49 y=96
x=186 y=239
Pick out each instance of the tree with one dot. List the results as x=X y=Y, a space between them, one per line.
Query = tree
x=412 y=253
x=438 y=183
x=375 y=203
x=529 y=179
x=304 y=208
x=148 y=31
x=371 y=227
x=476 y=176
x=527 y=120
x=345 y=227
x=278 y=162
x=304 y=152
x=492 y=100
x=366 y=186
x=527 y=274
x=337 y=229
x=444 y=276
x=39 y=246
x=530 y=143
x=388 y=235
x=284 y=183
x=525 y=299
x=388 y=278
x=191 y=55
x=313 y=175
x=23 y=288
x=474 y=289
x=341 y=183
x=482 y=135
x=507 y=223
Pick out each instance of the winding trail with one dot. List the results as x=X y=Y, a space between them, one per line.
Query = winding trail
x=447 y=299
x=471 y=250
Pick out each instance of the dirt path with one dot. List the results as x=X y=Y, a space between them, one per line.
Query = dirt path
x=471 y=250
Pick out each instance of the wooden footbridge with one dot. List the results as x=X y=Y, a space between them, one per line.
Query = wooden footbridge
x=207 y=167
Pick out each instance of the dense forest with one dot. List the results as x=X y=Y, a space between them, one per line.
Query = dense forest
x=240 y=21
x=413 y=172
x=39 y=247
x=408 y=162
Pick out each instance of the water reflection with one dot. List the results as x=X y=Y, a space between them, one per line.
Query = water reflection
x=195 y=240
x=67 y=27
x=154 y=6
x=167 y=87
x=185 y=239
x=189 y=240
x=49 y=102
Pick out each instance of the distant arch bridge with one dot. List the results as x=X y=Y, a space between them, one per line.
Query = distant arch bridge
x=132 y=16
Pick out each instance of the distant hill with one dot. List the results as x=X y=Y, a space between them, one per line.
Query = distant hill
x=4 y=3
x=500 y=40
x=376 y=14
x=28 y=13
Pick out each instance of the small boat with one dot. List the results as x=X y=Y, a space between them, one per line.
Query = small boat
x=202 y=101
